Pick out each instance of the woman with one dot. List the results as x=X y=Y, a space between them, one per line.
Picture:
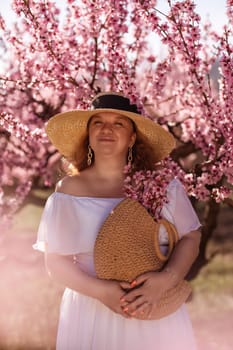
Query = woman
x=102 y=314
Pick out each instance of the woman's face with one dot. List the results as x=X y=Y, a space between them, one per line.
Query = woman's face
x=111 y=134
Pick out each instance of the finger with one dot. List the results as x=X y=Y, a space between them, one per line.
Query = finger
x=142 y=278
x=130 y=296
x=123 y=313
x=132 y=307
x=125 y=285
x=124 y=304
x=143 y=310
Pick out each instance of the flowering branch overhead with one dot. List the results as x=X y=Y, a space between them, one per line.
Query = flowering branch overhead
x=57 y=59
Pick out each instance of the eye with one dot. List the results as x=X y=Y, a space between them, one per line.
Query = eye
x=118 y=124
x=97 y=122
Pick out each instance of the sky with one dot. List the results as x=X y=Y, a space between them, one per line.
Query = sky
x=214 y=10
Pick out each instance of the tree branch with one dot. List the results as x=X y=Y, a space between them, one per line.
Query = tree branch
x=228 y=201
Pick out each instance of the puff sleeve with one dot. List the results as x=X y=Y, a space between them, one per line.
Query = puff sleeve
x=179 y=209
x=69 y=224
x=56 y=232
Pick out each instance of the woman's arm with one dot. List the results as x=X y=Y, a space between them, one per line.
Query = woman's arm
x=64 y=271
x=183 y=256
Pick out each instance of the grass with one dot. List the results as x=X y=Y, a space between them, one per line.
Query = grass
x=216 y=277
x=27 y=219
x=29 y=300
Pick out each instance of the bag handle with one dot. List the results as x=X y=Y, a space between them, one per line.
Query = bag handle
x=173 y=238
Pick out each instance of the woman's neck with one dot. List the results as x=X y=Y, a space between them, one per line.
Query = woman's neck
x=108 y=171
x=103 y=181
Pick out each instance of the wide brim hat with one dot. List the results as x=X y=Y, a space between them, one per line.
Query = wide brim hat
x=65 y=130
x=127 y=245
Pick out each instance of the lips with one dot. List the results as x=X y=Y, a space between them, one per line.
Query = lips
x=105 y=139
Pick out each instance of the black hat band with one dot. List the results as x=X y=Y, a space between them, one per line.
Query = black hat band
x=112 y=101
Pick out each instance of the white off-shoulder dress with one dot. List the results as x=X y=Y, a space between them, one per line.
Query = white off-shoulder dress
x=69 y=225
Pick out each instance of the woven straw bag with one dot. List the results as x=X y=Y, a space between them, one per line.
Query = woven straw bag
x=127 y=245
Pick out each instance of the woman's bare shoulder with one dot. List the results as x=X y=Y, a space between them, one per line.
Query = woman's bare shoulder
x=70 y=184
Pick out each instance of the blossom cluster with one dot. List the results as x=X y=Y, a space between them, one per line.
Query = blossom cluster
x=54 y=60
x=149 y=187
x=22 y=161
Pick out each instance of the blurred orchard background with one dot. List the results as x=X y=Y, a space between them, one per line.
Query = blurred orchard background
x=176 y=63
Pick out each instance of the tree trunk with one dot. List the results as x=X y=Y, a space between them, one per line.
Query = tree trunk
x=210 y=221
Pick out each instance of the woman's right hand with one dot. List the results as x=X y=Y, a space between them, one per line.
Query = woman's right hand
x=111 y=294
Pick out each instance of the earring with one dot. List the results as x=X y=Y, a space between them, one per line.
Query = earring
x=89 y=155
x=130 y=155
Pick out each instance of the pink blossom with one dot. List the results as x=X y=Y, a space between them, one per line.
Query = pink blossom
x=149 y=187
x=53 y=62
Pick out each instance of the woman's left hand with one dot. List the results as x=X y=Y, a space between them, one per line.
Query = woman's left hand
x=144 y=293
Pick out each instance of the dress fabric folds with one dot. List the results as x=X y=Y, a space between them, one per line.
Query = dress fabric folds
x=69 y=226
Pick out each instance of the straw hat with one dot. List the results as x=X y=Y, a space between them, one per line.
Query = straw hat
x=66 y=129
x=127 y=245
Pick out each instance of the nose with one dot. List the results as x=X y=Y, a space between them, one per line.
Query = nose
x=107 y=127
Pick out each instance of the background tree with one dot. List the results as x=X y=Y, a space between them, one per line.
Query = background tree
x=54 y=61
